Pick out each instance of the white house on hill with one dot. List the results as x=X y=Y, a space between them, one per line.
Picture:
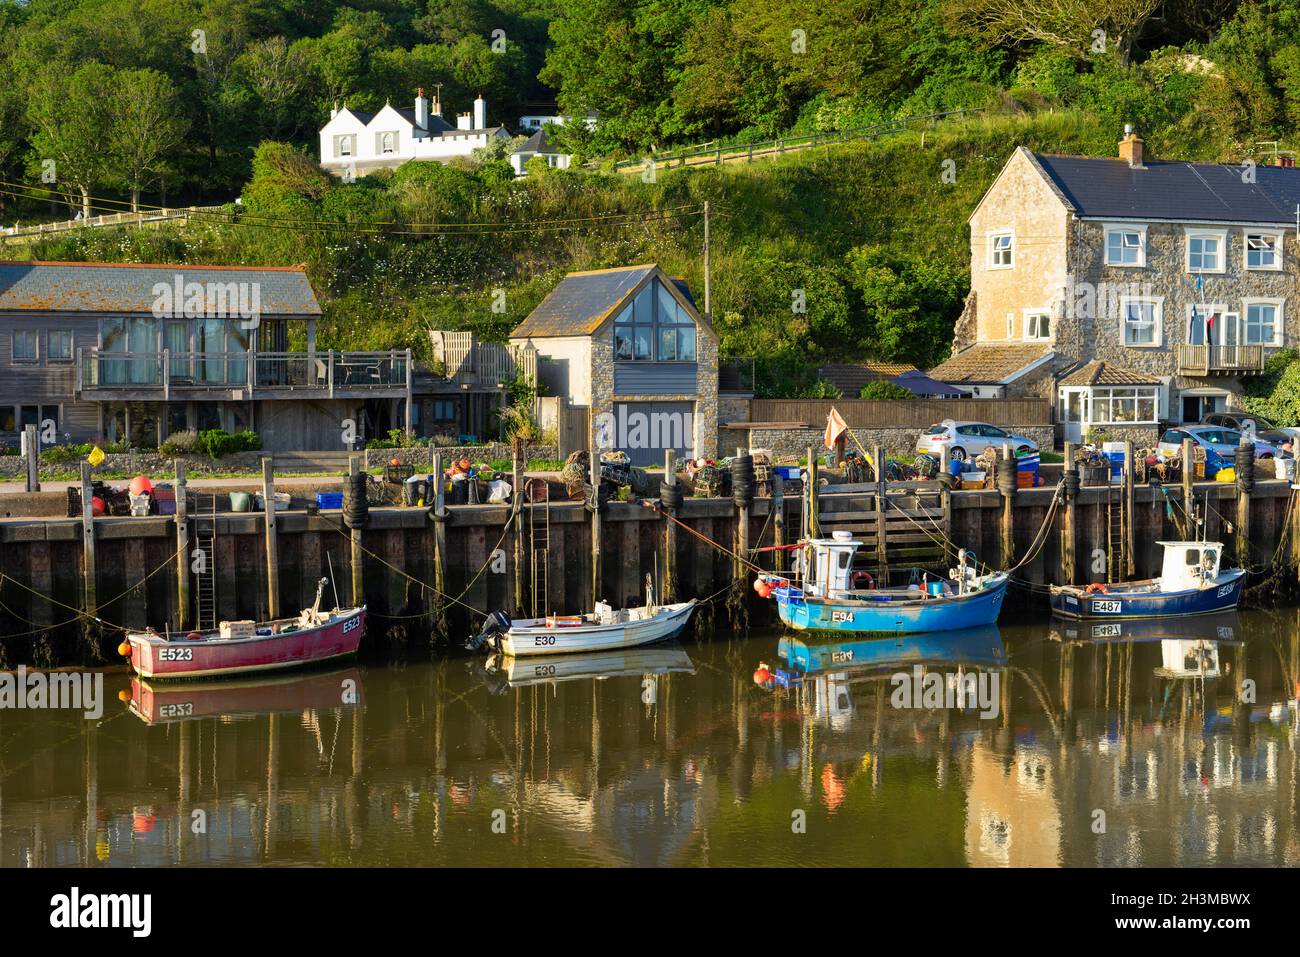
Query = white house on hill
x=354 y=143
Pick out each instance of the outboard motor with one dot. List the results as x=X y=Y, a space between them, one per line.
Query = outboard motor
x=498 y=623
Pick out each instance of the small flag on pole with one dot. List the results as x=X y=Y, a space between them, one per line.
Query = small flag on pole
x=835 y=427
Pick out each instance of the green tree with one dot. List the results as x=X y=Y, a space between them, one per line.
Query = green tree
x=72 y=127
x=145 y=129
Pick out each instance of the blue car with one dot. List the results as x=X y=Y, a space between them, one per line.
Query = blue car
x=1220 y=444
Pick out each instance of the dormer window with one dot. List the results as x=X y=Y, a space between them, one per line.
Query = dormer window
x=654 y=327
x=1126 y=245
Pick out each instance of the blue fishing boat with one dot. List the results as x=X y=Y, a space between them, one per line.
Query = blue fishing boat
x=976 y=647
x=1190 y=583
x=825 y=596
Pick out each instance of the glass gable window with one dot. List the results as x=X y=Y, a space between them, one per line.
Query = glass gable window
x=654 y=327
x=1261 y=324
x=1124 y=247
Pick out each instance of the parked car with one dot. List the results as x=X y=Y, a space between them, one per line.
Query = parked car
x=1221 y=442
x=1262 y=428
x=965 y=440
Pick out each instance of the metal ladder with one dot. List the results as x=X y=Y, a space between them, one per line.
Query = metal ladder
x=539 y=543
x=205 y=591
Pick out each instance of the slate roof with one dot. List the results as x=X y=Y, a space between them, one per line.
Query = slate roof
x=128 y=288
x=849 y=378
x=1178 y=191
x=436 y=123
x=989 y=362
x=537 y=143
x=582 y=301
x=1099 y=372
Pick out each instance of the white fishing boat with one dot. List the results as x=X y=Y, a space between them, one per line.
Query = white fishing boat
x=605 y=629
x=666 y=658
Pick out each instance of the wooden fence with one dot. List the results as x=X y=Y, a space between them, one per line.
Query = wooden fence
x=903 y=413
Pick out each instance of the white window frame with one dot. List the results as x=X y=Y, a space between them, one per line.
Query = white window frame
x=993 y=237
x=348 y=140
x=1139 y=392
x=379 y=143
x=1279 y=247
x=1141 y=249
x=1278 y=320
x=1030 y=328
x=1157 y=321
x=1221 y=235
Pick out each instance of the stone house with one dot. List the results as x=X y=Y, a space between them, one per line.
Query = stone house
x=629 y=346
x=1174 y=280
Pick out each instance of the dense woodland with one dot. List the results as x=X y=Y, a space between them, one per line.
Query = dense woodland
x=204 y=101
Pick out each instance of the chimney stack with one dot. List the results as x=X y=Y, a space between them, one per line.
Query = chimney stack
x=1286 y=162
x=421 y=109
x=1130 y=147
x=464 y=121
x=480 y=113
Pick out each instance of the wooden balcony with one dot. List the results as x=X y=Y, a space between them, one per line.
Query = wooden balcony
x=242 y=376
x=1220 y=360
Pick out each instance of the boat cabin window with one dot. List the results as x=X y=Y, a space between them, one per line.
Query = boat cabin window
x=1193 y=556
x=845 y=558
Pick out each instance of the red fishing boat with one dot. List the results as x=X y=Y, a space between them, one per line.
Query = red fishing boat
x=239 y=697
x=240 y=647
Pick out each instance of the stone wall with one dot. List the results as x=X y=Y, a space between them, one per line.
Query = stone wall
x=422 y=457
x=894 y=441
x=1142 y=436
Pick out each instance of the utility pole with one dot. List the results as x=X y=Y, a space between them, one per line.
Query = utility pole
x=708 y=300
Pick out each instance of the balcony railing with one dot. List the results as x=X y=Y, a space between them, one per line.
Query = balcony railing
x=262 y=374
x=471 y=362
x=1220 y=360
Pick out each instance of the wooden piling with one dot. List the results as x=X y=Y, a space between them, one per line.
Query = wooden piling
x=668 y=587
x=740 y=568
x=182 y=549
x=1129 y=542
x=1241 y=534
x=32 y=455
x=517 y=521
x=89 y=599
x=272 y=556
x=595 y=519
x=778 y=519
x=1068 y=516
x=810 y=523
x=358 y=577
x=882 y=506
x=1008 y=525
x=439 y=526
x=1189 y=504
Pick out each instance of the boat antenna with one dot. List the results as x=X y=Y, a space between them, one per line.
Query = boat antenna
x=330 y=558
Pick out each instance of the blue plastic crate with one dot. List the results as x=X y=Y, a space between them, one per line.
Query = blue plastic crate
x=787 y=471
x=329 y=499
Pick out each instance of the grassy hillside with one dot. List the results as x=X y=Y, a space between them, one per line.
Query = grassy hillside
x=867 y=235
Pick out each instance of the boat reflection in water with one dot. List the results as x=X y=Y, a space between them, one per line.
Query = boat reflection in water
x=502 y=672
x=830 y=667
x=302 y=691
x=1189 y=647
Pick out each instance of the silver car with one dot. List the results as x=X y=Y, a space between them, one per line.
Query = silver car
x=966 y=440
x=1221 y=442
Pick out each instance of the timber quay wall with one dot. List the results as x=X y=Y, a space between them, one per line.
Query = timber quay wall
x=136 y=582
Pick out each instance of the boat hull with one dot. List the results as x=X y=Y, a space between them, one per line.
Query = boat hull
x=1223 y=595
x=159 y=659
x=898 y=617
x=266 y=694
x=526 y=638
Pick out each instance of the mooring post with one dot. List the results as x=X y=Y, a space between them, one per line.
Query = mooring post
x=882 y=506
x=1129 y=540
x=1071 y=493
x=272 y=561
x=668 y=588
x=595 y=519
x=1189 y=505
x=778 y=518
x=439 y=526
x=945 y=497
x=89 y=596
x=182 y=550
x=32 y=455
x=517 y=520
x=1245 y=486
x=810 y=526
x=358 y=578
x=739 y=565
x=1007 y=486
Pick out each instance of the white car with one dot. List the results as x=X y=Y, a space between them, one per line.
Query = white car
x=966 y=440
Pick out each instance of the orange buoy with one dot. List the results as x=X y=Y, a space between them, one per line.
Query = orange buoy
x=96 y=506
x=394 y=462
x=141 y=484
x=124 y=648
x=124 y=695
x=762 y=674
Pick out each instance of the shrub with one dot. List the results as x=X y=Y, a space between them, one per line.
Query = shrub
x=880 y=389
x=218 y=443
x=185 y=442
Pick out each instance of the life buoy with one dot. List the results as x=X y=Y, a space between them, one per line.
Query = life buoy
x=1096 y=588
x=860 y=577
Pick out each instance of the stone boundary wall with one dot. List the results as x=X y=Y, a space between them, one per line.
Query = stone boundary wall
x=796 y=441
